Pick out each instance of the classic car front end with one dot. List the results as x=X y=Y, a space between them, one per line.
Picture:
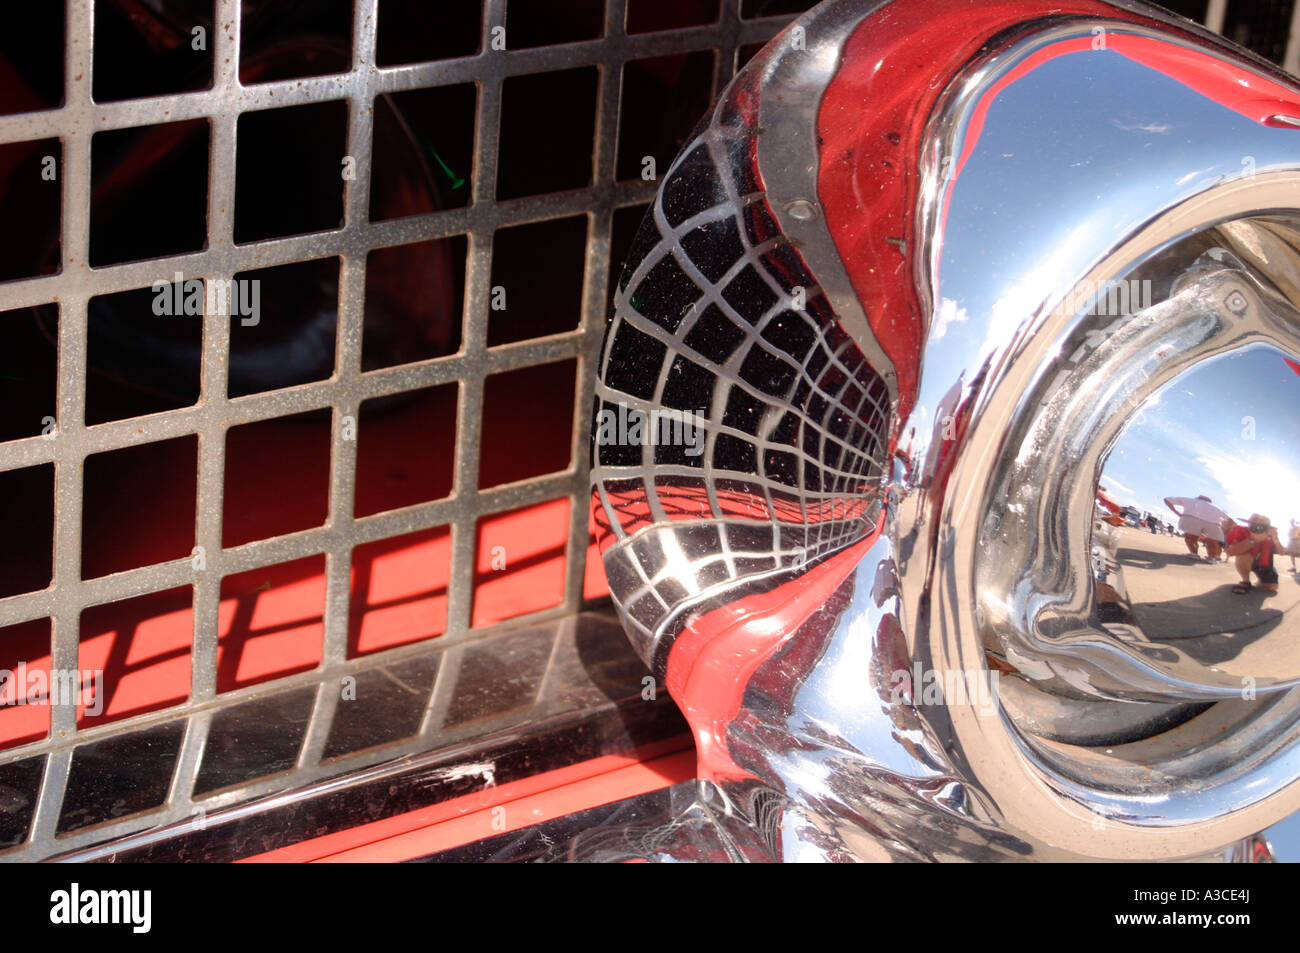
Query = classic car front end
x=924 y=284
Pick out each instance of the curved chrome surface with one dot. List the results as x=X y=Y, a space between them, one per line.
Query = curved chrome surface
x=1049 y=270
x=1225 y=427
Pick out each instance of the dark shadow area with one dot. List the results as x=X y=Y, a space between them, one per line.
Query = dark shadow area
x=1209 y=627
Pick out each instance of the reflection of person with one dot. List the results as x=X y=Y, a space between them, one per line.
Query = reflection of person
x=1199 y=519
x=1253 y=547
x=1228 y=524
x=1294 y=548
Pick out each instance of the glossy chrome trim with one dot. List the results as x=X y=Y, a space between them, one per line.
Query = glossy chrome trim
x=1069 y=145
x=788 y=156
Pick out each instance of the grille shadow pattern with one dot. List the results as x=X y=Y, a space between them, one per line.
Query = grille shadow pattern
x=354 y=92
x=763 y=429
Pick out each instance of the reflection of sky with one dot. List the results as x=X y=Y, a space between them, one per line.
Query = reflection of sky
x=1285 y=838
x=1072 y=158
x=1194 y=437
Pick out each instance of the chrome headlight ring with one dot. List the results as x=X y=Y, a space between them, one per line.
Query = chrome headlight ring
x=1168 y=748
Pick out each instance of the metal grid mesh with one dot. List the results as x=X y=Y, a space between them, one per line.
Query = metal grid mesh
x=221 y=259
x=426 y=710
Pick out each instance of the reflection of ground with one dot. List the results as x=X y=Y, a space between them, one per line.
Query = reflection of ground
x=1174 y=598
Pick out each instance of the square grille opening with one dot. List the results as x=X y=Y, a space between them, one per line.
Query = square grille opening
x=399 y=590
x=423 y=151
x=150 y=198
x=144 y=50
x=747 y=53
x=521 y=439
x=520 y=563
x=289 y=170
x=547 y=116
x=1262 y=26
x=144 y=349
x=271 y=623
x=414 y=296
x=1192 y=9
x=141 y=648
x=283 y=327
x=541 y=23
x=19 y=777
x=394 y=696
x=33 y=60
x=662 y=100
x=406 y=449
x=138 y=505
x=294 y=40
x=537 y=275
x=277 y=477
x=414 y=31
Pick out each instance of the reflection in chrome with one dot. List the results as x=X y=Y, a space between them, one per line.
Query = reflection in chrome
x=1211 y=601
x=952 y=324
